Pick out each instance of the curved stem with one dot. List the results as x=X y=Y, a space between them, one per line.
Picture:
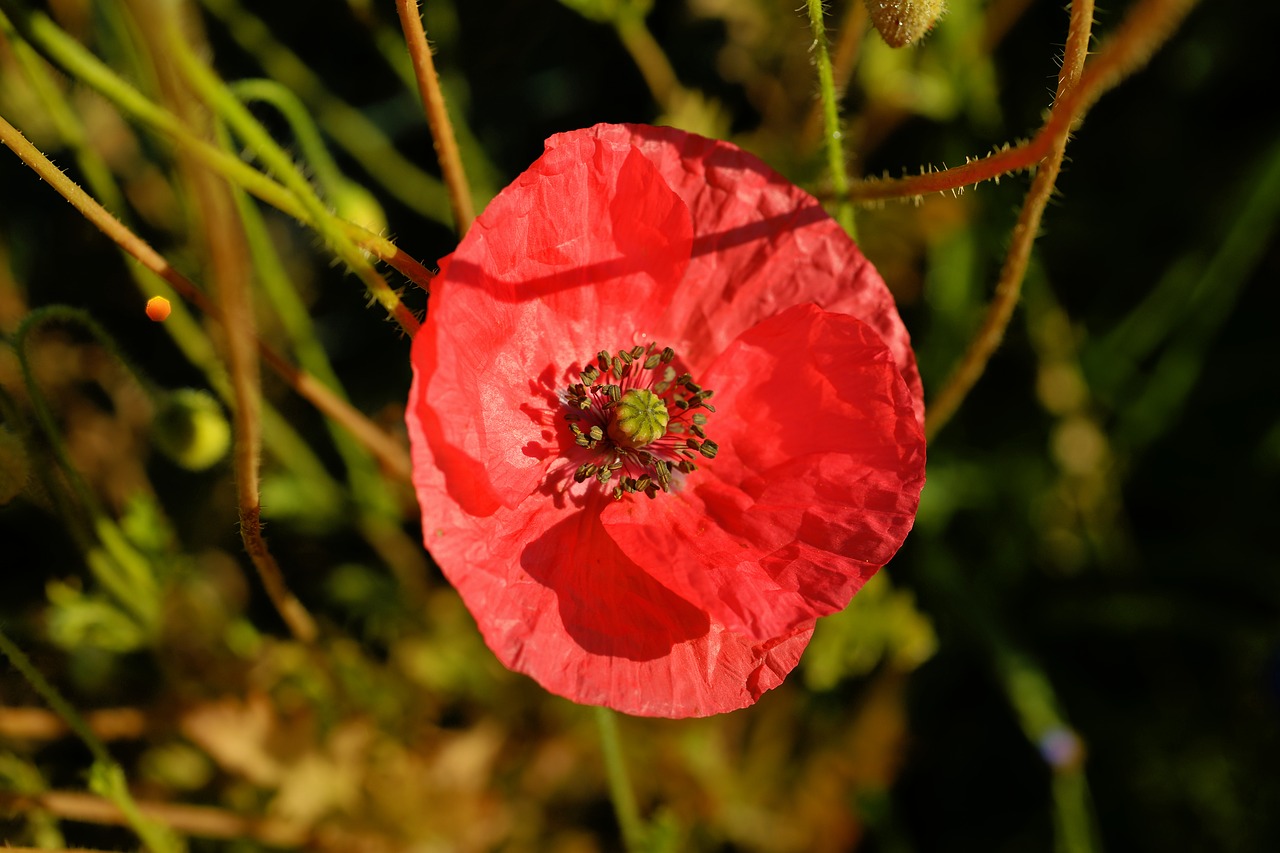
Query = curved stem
x=1009 y=286
x=620 y=790
x=229 y=263
x=215 y=93
x=305 y=132
x=1145 y=28
x=347 y=126
x=455 y=177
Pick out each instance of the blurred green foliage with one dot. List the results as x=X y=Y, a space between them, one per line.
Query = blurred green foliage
x=1078 y=648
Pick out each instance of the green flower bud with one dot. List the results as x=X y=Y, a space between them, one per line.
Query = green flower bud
x=356 y=204
x=191 y=429
x=639 y=418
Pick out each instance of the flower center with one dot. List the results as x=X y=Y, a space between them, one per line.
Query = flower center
x=639 y=418
x=636 y=423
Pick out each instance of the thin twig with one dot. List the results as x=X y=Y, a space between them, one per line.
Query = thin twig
x=190 y=820
x=40 y=725
x=455 y=177
x=1009 y=286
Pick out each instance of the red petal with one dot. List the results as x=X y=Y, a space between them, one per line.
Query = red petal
x=578 y=255
x=556 y=599
x=761 y=244
x=815 y=485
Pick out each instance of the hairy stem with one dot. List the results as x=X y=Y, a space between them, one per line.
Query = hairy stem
x=455 y=177
x=1126 y=50
x=832 y=135
x=1009 y=286
x=388 y=451
x=72 y=57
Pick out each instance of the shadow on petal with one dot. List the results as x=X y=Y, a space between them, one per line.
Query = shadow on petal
x=608 y=604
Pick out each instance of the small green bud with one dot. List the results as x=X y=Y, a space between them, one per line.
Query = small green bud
x=191 y=429
x=640 y=418
x=356 y=204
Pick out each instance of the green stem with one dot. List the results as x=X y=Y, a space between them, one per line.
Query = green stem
x=623 y=795
x=228 y=107
x=126 y=573
x=346 y=125
x=649 y=57
x=72 y=57
x=305 y=132
x=832 y=135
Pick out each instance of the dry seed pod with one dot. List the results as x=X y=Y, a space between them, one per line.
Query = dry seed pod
x=901 y=22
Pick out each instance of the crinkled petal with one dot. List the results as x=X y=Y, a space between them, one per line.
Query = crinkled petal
x=814 y=487
x=761 y=245
x=556 y=599
x=578 y=255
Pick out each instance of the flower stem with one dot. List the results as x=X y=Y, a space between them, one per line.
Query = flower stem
x=73 y=58
x=852 y=29
x=831 y=119
x=1146 y=26
x=1009 y=286
x=455 y=177
x=347 y=126
x=620 y=790
x=305 y=133
x=228 y=107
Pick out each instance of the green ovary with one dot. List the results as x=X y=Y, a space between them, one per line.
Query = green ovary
x=639 y=418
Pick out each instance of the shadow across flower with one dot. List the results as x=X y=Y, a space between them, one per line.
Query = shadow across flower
x=664 y=415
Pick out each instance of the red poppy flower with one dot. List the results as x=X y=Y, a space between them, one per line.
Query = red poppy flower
x=664 y=415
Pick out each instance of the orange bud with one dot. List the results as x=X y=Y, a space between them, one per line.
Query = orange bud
x=157 y=308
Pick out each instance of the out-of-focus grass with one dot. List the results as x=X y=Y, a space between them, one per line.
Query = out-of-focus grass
x=1076 y=649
